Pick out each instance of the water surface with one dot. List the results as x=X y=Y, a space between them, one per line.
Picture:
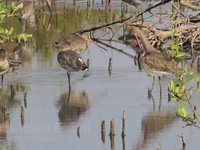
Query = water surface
x=50 y=121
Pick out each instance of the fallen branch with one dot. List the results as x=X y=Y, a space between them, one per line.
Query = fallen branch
x=162 y=34
x=189 y=4
x=114 y=48
x=162 y=2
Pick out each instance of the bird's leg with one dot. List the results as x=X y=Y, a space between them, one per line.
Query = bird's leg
x=160 y=83
x=150 y=90
x=2 y=76
x=139 y=61
x=68 y=75
x=68 y=97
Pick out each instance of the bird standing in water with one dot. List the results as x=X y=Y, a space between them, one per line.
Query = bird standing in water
x=71 y=61
x=152 y=60
x=4 y=64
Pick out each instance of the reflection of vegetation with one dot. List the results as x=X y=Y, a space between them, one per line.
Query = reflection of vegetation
x=62 y=24
x=51 y=28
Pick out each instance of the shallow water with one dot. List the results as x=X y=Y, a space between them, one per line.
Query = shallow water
x=50 y=121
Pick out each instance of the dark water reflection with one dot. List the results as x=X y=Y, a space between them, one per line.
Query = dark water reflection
x=40 y=86
x=71 y=106
x=152 y=124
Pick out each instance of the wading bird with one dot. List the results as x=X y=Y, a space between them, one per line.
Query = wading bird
x=152 y=60
x=71 y=61
x=74 y=42
x=6 y=63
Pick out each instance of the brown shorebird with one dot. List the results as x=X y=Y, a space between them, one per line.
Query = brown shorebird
x=152 y=60
x=4 y=64
x=71 y=61
x=75 y=42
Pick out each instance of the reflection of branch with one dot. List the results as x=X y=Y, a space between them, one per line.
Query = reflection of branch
x=162 y=2
x=107 y=45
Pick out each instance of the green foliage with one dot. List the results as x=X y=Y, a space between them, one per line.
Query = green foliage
x=180 y=94
x=8 y=34
x=23 y=37
x=177 y=52
x=182 y=87
x=183 y=113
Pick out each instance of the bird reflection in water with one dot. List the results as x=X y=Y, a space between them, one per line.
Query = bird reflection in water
x=19 y=54
x=72 y=106
x=8 y=104
x=24 y=53
x=153 y=123
x=4 y=126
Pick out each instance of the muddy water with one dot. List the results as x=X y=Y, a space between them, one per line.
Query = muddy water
x=50 y=121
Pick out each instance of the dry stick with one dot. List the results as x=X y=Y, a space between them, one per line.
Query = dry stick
x=183 y=143
x=135 y=60
x=107 y=45
x=123 y=129
x=123 y=124
x=112 y=134
x=162 y=2
x=198 y=64
x=188 y=4
x=169 y=96
x=49 y=6
x=25 y=99
x=177 y=9
x=22 y=116
x=123 y=143
x=78 y=132
x=112 y=128
x=110 y=66
x=103 y=131
x=194 y=110
x=12 y=91
x=88 y=62
x=165 y=34
x=194 y=113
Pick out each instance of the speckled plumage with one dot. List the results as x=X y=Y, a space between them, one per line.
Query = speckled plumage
x=4 y=64
x=156 y=65
x=153 y=61
x=71 y=61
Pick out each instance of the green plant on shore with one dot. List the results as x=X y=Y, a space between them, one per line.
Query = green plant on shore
x=8 y=34
x=181 y=88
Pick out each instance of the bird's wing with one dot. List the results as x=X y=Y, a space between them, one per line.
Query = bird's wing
x=158 y=63
x=70 y=61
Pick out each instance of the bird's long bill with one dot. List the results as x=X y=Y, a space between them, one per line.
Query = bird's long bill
x=138 y=42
